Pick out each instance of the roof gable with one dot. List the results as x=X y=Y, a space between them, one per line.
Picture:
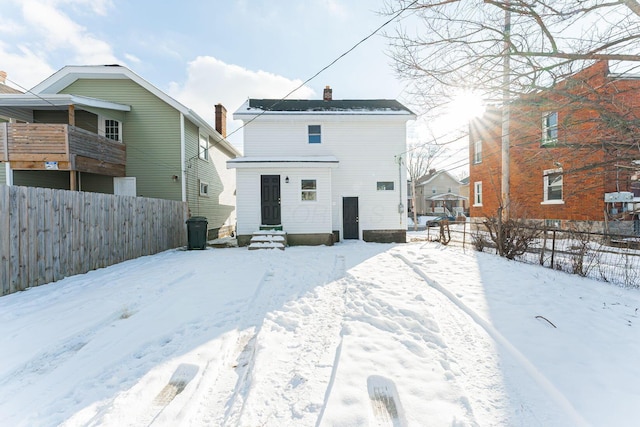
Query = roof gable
x=69 y=74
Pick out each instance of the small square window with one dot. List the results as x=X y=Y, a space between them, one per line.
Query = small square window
x=309 y=189
x=385 y=185
x=204 y=189
x=315 y=134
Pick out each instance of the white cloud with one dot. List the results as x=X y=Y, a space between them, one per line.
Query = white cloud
x=132 y=58
x=211 y=81
x=61 y=32
x=24 y=68
x=336 y=8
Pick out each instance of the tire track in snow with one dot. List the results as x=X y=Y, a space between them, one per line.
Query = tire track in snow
x=533 y=372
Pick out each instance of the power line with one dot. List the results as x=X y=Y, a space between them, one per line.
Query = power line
x=352 y=48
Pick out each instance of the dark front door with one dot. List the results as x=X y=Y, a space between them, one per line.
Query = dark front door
x=270 y=196
x=350 y=217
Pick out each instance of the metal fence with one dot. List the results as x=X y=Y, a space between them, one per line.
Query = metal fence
x=46 y=235
x=605 y=257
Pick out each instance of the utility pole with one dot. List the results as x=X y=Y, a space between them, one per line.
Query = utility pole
x=506 y=101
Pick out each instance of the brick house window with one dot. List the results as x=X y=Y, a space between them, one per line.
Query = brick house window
x=477 y=193
x=550 y=129
x=553 y=184
x=477 y=151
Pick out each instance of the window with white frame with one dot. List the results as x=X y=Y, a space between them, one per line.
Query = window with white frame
x=385 y=185
x=203 y=149
x=553 y=185
x=112 y=129
x=550 y=128
x=315 y=134
x=477 y=151
x=477 y=193
x=204 y=189
x=309 y=189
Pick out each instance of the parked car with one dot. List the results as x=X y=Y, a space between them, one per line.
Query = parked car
x=434 y=221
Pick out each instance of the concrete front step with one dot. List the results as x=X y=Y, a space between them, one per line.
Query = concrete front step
x=268 y=239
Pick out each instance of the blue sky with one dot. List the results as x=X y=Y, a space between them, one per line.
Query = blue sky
x=207 y=52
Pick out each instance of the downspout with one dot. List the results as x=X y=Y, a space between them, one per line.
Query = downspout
x=8 y=173
x=183 y=159
x=400 y=205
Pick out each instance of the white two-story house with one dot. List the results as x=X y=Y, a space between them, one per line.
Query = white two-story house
x=323 y=170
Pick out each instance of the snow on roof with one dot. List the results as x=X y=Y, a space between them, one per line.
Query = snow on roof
x=318 y=106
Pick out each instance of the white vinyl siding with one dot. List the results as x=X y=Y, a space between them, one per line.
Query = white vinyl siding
x=365 y=146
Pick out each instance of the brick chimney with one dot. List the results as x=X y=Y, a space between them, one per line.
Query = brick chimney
x=327 y=93
x=3 y=77
x=221 y=120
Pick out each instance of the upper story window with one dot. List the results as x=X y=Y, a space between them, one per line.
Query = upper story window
x=385 y=185
x=203 y=149
x=477 y=193
x=477 y=151
x=112 y=129
x=315 y=134
x=309 y=189
x=553 y=184
x=550 y=129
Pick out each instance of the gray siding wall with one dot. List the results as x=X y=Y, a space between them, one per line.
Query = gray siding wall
x=219 y=206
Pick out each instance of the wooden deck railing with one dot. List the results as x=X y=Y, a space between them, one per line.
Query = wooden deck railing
x=29 y=146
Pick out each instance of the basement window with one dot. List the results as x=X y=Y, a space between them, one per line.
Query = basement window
x=309 y=190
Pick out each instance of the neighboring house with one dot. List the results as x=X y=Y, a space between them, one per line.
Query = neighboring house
x=438 y=192
x=4 y=89
x=573 y=153
x=105 y=129
x=323 y=170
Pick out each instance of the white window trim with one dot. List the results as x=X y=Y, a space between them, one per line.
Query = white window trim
x=545 y=187
x=477 y=184
x=314 y=191
x=202 y=184
x=546 y=140
x=477 y=153
x=203 y=154
x=386 y=189
x=102 y=131
x=309 y=134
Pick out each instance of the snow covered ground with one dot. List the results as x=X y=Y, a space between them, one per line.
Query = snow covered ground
x=351 y=335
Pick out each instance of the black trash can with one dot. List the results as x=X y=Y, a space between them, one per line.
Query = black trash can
x=197 y=232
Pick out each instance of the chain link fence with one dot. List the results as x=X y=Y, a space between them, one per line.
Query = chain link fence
x=604 y=257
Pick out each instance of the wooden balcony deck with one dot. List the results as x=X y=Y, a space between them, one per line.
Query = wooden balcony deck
x=40 y=146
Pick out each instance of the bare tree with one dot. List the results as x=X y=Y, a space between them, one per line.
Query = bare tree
x=454 y=44
x=420 y=159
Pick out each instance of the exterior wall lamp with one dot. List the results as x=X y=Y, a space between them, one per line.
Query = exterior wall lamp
x=286 y=180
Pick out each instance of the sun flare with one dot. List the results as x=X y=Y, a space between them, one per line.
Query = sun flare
x=466 y=105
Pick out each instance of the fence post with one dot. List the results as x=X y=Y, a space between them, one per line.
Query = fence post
x=553 y=249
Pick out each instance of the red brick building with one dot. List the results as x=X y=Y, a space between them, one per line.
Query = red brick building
x=569 y=146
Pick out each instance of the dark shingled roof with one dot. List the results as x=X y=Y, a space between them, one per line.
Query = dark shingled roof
x=328 y=106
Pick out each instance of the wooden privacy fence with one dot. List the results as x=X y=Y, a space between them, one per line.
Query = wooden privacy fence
x=46 y=234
